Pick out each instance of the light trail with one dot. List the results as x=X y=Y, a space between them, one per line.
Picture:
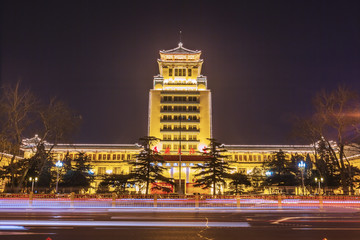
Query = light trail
x=121 y=223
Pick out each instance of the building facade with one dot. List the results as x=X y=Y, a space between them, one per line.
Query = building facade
x=180 y=103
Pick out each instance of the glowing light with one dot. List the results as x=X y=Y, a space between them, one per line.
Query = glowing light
x=9 y=227
x=301 y=164
x=109 y=171
x=59 y=164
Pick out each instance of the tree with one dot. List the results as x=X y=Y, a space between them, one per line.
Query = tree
x=280 y=171
x=17 y=110
x=118 y=181
x=21 y=114
x=238 y=182
x=215 y=168
x=79 y=176
x=148 y=165
x=334 y=124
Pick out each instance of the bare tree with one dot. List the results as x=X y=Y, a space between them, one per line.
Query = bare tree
x=21 y=114
x=335 y=122
x=18 y=107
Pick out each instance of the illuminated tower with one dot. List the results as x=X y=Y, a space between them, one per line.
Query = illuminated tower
x=180 y=103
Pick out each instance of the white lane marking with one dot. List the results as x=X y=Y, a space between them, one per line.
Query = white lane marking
x=122 y=223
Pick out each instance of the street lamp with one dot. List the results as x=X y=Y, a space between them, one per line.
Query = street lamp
x=302 y=166
x=58 y=165
x=319 y=181
x=33 y=180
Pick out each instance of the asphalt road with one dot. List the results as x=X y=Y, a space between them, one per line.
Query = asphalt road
x=179 y=224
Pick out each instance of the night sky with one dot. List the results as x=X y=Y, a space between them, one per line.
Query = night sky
x=264 y=60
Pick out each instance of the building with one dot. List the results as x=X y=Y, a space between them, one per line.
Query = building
x=180 y=115
x=180 y=103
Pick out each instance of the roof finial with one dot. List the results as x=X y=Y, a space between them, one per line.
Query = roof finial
x=180 y=43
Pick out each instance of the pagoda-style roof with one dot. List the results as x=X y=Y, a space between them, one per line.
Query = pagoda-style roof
x=180 y=50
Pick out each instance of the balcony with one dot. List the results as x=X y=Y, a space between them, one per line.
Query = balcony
x=179 y=111
x=178 y=121
x=180 y=102
x=178 y=130
x=177 y=140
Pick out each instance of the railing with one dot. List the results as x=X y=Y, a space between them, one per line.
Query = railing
x=177 y=120
x=179 y=111
x=73 y=200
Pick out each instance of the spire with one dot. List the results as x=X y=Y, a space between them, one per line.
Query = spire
x=180 y=43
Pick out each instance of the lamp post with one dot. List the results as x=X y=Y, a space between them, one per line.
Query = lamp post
x=58 y=165
x=33 y=180
x=302 y=166
x=319 y=181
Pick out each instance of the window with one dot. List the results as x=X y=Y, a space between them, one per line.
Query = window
x=167 y=127
x=101 y=170
x=117 y=170
x=167 y=108
x=122 y=156
x=167 y=98
x=170 y=72
x=166 y=117
x=118 y=157
x=94 y=157
x=192 y=146
x=189 y=72
x=180 y=72
x=114 y=157
x=167 y=146
x=100 y=156
x=192 y=137
x=167 y=137
x=128 y=157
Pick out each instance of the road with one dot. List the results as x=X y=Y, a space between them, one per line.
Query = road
x=174 y=224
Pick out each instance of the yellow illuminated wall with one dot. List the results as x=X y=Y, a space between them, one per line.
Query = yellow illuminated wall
x=180 y=103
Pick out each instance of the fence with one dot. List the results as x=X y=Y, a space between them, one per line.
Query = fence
x=174 y=201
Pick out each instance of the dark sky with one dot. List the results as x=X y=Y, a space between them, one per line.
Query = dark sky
x=264 y=59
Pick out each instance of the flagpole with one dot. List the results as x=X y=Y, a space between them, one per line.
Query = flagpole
x=180 y=190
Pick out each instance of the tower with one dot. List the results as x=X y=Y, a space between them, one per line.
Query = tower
x=180 y=103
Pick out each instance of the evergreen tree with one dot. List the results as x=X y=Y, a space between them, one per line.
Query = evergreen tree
x=215 y=168
x=238 y=182
x=148 y=165
x=79 y=176
x=281 y=171
x=117 y=181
